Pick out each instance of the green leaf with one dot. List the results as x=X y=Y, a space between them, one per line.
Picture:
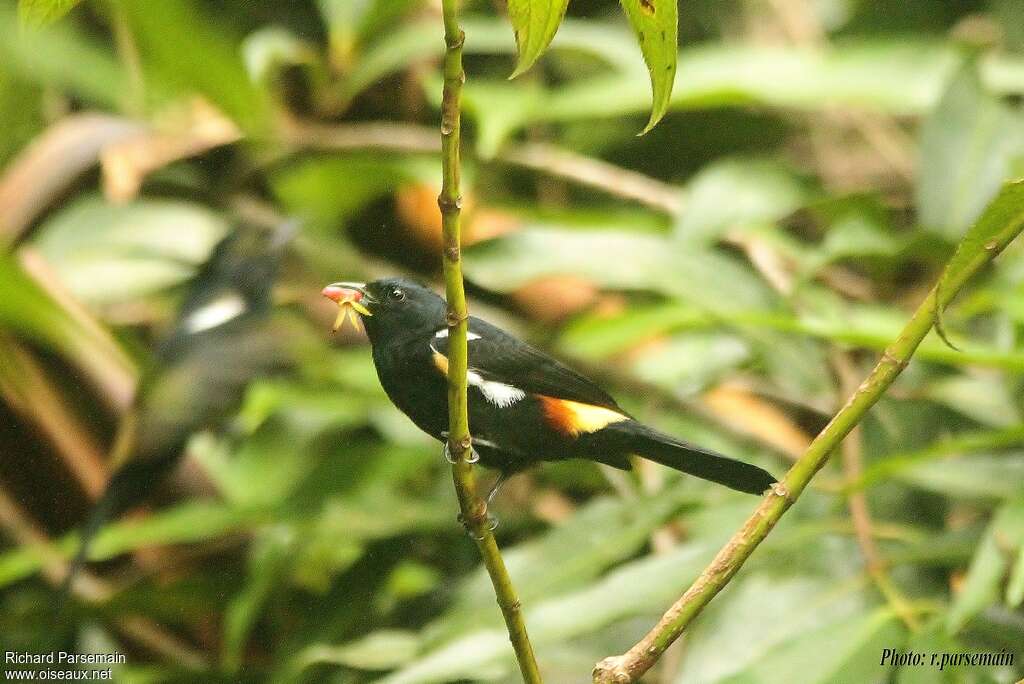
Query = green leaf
x=906 y=77
x=107 y=253
x=731 y=637
x=932 y=639
x=970 y=144
x=43 y=56
x=974 y=477
x=39 y=12
x=499 y=109
x=407 y=44
x=188 y=522
x=985 y=398
x=264 y=469
x=604 y=532
x=419 y=40
x=1001 y=222
x=859 y=232
x=183 y=51
x=350 y=22
x=965 y=442
x=618 y=260
x=28 y=310
x=1003 y=540
x=381 y=650
x=735 y=193
x=21 y=115
x=308 y=187
x=596 y=337
x=267 y=50
x=534 y=23
x=690 y=363
x=656 y=23
x=270 y=557
x=343 y=18
x=847 y=650
x=1015 y=587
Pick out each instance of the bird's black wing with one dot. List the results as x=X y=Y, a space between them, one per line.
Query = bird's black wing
x=498 y=356
x=218 y=343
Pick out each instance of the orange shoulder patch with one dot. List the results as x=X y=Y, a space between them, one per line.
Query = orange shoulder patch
x=441 y=361
x=574 y=418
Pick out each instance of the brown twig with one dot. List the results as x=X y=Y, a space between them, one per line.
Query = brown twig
x=851 y=452
x=596 y=173
x=28 y=391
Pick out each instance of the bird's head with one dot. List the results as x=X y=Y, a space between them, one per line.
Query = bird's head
x=388 y=307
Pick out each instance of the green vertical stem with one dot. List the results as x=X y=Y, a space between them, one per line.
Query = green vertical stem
x=474 y=509
x=630 y=666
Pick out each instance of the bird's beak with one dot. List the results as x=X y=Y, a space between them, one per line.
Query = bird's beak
x=349 y=297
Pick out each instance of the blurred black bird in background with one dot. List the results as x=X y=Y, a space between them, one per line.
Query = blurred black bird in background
x=524 y=406
x=218 y=342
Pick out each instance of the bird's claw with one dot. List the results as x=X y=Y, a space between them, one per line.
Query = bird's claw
x=490 y=520
x=473 y=456
x=448 y=455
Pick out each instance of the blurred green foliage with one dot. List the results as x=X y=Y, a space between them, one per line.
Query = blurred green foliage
x=725 y=275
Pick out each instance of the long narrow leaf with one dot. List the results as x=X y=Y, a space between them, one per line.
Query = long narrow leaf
x=656 y=23
x=535 y=23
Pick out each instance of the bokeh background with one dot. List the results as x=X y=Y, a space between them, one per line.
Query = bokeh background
x=731 y=276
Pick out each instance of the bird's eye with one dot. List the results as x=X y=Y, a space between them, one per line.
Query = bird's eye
x=397 y=295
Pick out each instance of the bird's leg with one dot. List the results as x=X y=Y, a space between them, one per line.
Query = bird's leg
x=474 y=457
x=491 y=520
x=502 y=477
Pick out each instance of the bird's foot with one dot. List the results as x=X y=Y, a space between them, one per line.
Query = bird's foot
x=473 y=456
x=489 y=521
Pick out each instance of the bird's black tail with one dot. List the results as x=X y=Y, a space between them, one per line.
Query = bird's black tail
x=103 y=510
x=691 y=459
x=127 y=486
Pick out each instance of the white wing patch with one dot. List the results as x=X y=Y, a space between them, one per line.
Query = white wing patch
x=217 y=312
x=498 y=393
x=443 y=332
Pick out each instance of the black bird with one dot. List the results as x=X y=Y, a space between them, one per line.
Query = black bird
x=524 y=406
x=218 y=342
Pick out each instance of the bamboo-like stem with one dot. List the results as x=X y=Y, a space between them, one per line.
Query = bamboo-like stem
x=474 y=509
x=630 y=666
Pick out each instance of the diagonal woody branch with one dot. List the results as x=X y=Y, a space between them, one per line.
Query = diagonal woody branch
x=1002 y=221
